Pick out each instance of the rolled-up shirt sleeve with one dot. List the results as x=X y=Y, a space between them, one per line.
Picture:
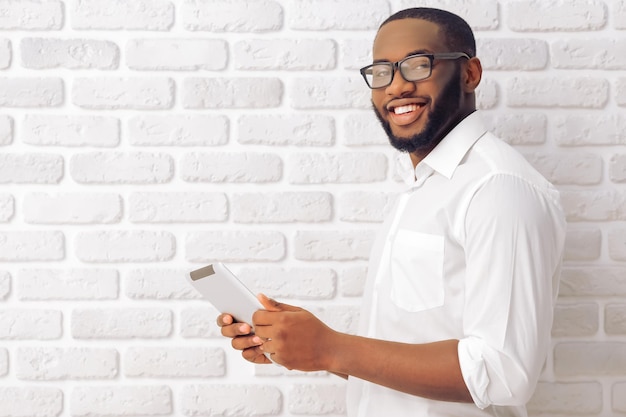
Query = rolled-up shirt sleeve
x=513 y=235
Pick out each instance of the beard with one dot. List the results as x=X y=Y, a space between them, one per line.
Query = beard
x=440 y=120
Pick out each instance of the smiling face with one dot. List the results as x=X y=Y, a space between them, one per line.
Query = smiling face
x=417 y=115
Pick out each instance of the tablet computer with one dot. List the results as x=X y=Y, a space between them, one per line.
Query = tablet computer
x=225 y=291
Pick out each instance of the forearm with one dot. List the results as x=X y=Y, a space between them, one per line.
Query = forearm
x=427 y=370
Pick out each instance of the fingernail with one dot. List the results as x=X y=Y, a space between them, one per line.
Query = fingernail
x=257 y=340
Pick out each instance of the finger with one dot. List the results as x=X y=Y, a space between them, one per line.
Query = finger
x=236 y=329
x=246 y=342
x=255 y=355
x=224 y=320
x=273 y=305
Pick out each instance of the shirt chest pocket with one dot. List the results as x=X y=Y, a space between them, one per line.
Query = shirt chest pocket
x=417 y=270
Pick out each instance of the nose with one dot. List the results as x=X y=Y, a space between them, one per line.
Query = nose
x=399 y=86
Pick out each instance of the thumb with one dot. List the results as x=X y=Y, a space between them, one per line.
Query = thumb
x=272 y=305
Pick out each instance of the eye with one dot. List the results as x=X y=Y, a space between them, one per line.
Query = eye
x=380 y=71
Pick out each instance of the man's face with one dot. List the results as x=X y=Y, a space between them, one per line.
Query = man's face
x=416 y=115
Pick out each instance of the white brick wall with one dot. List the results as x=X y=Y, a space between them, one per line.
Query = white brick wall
x=140 y=139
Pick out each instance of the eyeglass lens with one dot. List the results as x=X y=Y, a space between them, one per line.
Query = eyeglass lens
x=412 y=69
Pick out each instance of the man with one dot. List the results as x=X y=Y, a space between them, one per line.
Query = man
x=462 y=281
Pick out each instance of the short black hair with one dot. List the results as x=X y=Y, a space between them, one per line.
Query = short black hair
x=458 y=32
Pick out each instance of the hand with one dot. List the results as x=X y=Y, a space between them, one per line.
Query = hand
x=294 y=337
x=242 y=339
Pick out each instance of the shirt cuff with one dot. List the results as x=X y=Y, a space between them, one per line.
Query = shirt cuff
x=477 y=363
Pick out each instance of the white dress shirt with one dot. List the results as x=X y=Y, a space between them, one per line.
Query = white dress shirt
x=472 y=251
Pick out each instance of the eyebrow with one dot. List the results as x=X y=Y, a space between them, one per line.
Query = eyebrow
x=416 y=52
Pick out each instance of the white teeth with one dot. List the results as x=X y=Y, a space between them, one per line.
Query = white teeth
x=405 y=109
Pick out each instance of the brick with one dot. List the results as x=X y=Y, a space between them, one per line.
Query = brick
x=178 y=130
x=237 y=93
x=596 y=53
x=199 y=323
x=128 y=323
x=6 y=130
x=559 y=92
x=363 y=129
x=122 y=400
x=30 y=324
x=174 y=362
x=125 y=246
x=158 y=284
x=566 y=398
x=25 y=246
x=5 y=53
x=285 y=54
x=337 y=168
x=518 y=129
x=30 y=92
x=618 y=397
x=22 y=401
x=364 y=206
x=50 y=364
x=45 y=53
x=593 y=281
x=230 y=400
x=71 y=208
x=571 y=168
x=4 y=362
x=121 y=168
x=620 y=92
x=156 y=15
x=352 y=281
x=67 y=284
x=5 y=285
x=177 y=207
x=285 y=130
x=295 y=283
x=329 y=93
x=334 y=15
x=317 y=399
x=31 y=15
x=576 y=320
x=232 y=15
x=512 y=54
x=7 y=207
x=333 y=245
x=596 y=130
x=583 y=245
x=479 y=14
x=356 y=53
x=177 y=54
x=615 y=319
x=235 y=246
x=487 y=96
x=619 y=14
x=556 y=15
x=617 y=244
x=590 y=358
x=58 y=130
x=30 y=168
x=114 y=93
x=617 y=168
x=594 y=205
x=285 y=207
x=231 y=167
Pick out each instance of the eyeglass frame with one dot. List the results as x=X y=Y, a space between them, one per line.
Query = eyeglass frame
x=396 y=65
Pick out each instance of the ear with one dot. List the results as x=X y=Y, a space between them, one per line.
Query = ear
x=472 y=75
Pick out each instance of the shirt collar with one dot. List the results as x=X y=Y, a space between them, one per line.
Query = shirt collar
x=448 y=154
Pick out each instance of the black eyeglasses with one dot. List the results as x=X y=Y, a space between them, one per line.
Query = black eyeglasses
x=412 y=68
